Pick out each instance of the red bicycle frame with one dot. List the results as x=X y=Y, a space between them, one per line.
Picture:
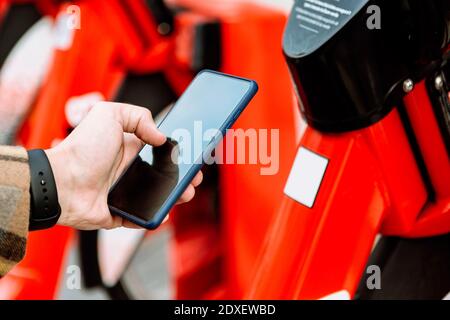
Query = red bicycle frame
x=371 y=180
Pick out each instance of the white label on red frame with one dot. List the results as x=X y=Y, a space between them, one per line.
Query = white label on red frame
x=306 y=177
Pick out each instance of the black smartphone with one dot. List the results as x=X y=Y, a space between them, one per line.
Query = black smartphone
x=158 y=176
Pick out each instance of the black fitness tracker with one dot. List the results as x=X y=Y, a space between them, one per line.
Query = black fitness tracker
x=45 y=209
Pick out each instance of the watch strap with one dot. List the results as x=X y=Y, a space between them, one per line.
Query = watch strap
x=45 y=210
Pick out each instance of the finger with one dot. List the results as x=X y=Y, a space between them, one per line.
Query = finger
x=139 y=121
x=112 y=222
x=197 y=179
x=130 y=225
x=188 y=194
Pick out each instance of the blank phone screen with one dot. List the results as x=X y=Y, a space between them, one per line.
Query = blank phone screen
x=190 y=127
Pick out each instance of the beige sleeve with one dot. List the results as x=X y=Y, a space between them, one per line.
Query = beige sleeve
x=14 y=206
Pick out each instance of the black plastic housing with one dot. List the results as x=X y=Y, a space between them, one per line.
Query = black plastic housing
x=348 y=73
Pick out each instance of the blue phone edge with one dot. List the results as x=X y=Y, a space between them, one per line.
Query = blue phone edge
x=177 y=192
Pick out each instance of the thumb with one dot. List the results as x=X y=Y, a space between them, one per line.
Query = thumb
x=138 y=121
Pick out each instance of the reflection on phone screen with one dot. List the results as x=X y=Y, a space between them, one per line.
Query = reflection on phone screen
x=149 y=181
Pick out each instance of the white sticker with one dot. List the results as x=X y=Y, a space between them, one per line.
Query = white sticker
x=306 y=177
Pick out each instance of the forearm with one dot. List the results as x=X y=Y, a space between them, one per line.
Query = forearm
x=14 y=206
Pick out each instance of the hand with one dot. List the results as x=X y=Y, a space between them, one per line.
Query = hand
x=94 y=155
